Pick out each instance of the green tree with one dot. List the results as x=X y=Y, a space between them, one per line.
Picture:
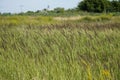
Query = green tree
x=6 y=14
x=115 y=6
x=93 y=5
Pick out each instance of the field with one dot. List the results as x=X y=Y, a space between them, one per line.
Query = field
x=56 y=48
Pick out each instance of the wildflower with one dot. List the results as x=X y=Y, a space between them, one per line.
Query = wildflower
x=106 y=73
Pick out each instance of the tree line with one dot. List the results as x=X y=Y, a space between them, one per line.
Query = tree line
x=99 y=5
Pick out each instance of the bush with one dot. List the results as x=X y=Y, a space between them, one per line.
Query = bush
x=87 y=18
x=59 y=10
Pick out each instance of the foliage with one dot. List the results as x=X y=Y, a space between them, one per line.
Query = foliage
x=99 y=6
x=29 y=12
x=6 y=14
x=59 y=10
x=115 y=6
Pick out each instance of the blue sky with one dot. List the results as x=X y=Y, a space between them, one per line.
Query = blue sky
x=15 y=6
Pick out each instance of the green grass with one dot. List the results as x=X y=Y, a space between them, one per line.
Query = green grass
x=66 y=51
x=26 y=20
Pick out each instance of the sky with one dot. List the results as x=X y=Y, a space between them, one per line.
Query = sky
x=16 y=6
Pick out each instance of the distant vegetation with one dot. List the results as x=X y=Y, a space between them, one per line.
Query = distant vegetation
x=100 y=6
x=84 y=7
x=17 y=20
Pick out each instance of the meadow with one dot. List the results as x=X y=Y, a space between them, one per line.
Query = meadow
x=44 y=48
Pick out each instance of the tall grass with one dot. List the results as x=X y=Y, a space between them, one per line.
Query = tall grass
x=25 y=20
x=69 y=51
